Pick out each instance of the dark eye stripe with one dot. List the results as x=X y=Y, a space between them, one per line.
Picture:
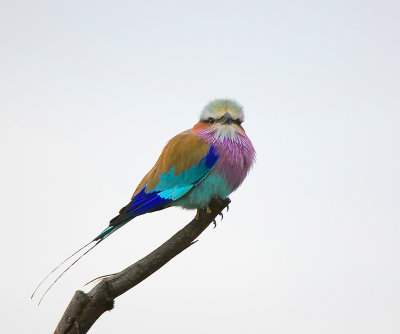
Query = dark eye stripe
x=211 y=120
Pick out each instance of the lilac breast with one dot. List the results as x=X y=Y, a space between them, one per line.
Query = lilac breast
x=236 y=156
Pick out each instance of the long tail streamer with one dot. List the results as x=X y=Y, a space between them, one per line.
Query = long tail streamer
x=65 y=270
x=103 y=235
x=44 y=279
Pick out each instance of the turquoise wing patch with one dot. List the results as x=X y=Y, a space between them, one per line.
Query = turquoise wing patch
x=173 y=186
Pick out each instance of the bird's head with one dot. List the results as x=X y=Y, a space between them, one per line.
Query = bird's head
x=223 y=118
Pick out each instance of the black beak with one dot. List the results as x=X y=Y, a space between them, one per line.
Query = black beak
x=227 y=119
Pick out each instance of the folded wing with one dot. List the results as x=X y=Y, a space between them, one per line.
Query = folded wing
x=185 y=162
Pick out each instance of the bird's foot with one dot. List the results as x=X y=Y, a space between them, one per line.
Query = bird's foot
x=222 y=202
x=197 y=215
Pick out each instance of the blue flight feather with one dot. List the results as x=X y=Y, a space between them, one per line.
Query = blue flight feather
x=170 y=188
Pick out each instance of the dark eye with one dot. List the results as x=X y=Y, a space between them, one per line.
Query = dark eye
x=237 y=121
x=210 y=120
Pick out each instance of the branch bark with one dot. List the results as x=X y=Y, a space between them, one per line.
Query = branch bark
x=85 y=308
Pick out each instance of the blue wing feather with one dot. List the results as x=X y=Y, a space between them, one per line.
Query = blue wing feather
x=170 y=188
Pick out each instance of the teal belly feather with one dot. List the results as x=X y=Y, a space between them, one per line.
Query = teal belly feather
x=214 y=185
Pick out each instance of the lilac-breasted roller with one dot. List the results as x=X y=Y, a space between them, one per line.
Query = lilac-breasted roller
x=210 y=160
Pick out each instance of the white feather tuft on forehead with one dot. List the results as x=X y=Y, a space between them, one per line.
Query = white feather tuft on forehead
x=217 y=109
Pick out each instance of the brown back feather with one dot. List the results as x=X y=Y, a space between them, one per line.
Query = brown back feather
x=182 y=152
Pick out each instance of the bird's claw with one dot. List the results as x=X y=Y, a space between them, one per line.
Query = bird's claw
x=227 y=208
x=221 y=214
x=215 y=223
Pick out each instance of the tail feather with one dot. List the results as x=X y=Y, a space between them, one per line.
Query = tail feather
x=58 y=266
x=65 y=270
x=103 y=235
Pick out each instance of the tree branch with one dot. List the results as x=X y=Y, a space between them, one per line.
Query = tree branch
x=85 y=308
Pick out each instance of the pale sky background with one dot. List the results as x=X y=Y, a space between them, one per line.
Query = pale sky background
x=90 y=92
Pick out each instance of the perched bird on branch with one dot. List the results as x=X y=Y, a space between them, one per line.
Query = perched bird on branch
x=210 y=160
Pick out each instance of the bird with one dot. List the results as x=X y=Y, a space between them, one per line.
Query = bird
x=210 y=160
